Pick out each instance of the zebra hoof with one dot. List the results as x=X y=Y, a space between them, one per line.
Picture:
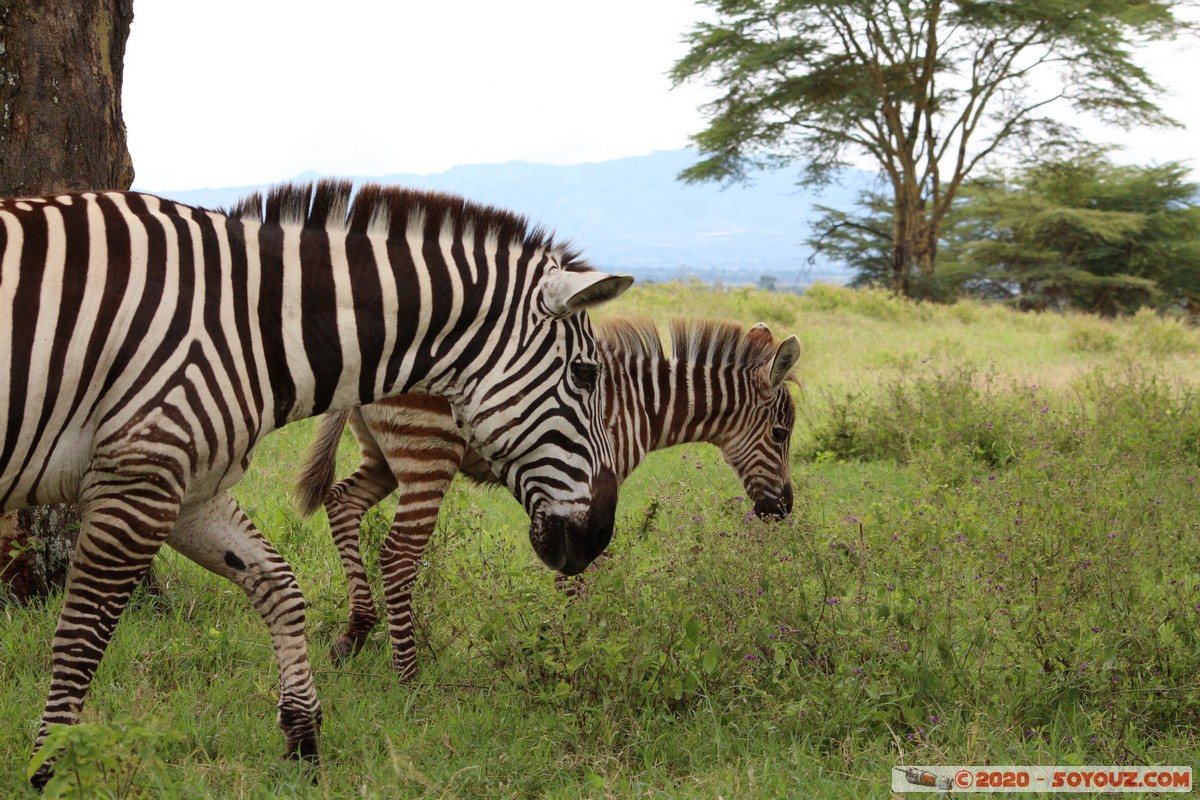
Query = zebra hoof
x=41 y=777
x=344 y=649
x=301 y=732
x=406 y=673
x=304 y=750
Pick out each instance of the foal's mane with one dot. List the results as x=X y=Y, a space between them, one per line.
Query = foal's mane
x=691 y=341
x=336 y=205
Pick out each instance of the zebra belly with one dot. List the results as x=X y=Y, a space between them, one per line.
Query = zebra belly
x=64 y=464
x=53 y=473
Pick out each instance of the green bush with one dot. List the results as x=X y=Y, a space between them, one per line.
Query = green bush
x=1162 y=336
x=951 y=411
x=1091 y=335
x=120 y=761
x=880 y=304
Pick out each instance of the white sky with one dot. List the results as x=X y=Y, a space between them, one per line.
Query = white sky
x=236 y=92
x=239 y=92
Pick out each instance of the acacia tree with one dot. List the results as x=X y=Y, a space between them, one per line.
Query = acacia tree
x=927 y=90
x=1082 y=233
x=1079 y=232
x=61 y=129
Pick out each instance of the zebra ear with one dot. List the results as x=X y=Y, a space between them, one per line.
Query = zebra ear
x=565 y=293
x=786 y=356
x=760 y=331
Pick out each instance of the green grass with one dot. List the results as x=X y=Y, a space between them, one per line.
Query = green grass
x=993 y=560
x=852 y=338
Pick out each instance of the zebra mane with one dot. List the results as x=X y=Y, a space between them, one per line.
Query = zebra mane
x=335 y=205
x=634 y=337
x=691 y=341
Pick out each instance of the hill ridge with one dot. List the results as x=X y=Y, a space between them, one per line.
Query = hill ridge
x=632 y=215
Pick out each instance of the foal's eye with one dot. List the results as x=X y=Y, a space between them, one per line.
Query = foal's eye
x=584 y=374
x=779 y=434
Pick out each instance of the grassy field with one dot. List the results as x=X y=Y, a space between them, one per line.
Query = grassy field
x=992 y=560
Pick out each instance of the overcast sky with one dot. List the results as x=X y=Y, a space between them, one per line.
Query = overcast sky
x=240 y=92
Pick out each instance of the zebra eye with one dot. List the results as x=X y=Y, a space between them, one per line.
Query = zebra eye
x=584 y=374
x=779 y=434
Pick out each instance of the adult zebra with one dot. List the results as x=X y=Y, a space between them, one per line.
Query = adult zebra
x=147 y=347
x=716 y=385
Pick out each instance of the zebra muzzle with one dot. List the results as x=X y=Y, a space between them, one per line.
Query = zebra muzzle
x=568 y=543
x=774 y=504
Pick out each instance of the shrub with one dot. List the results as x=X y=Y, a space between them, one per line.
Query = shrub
x=116 y=761
x=1091 y=335
x=875 y=303
x=1162 y=336
x=952 y=411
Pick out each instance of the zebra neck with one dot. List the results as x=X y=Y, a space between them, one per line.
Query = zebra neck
x=663 y=403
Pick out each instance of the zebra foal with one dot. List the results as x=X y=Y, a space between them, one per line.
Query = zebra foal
x=146 y=347
x=716 y=384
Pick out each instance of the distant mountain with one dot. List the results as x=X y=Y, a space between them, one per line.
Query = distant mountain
x=632 y=215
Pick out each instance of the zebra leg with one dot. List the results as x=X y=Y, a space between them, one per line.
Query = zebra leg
x=118 y=538
x=422 y=489
x=218 y=536
x=398 y=559
x=346 y=503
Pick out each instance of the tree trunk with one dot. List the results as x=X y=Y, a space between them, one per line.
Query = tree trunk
x=901 y=266
x=914 y=242
x=37 y=545
x=904 y=241
x=61 y=129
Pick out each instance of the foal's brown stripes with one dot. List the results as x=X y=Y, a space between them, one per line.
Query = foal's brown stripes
x=717 y=384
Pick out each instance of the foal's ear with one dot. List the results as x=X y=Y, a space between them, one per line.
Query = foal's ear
x=760 y=331
x=786 y=356
x=565 y=293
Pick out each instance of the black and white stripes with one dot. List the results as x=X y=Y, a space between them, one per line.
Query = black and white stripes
x=146 y=347
x=715 y=384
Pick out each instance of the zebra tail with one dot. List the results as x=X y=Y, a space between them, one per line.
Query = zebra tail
x=319 y=463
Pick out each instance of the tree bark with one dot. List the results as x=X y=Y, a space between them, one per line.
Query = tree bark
x=905 y=241
x=62 y=64
x=37 y=547
x=914 y=239
x=61 y=129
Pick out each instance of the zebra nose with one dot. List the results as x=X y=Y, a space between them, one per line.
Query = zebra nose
x=774 y=504
x=569 y=545
x=548 y=535
x=568 y=542
x=585 y=543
